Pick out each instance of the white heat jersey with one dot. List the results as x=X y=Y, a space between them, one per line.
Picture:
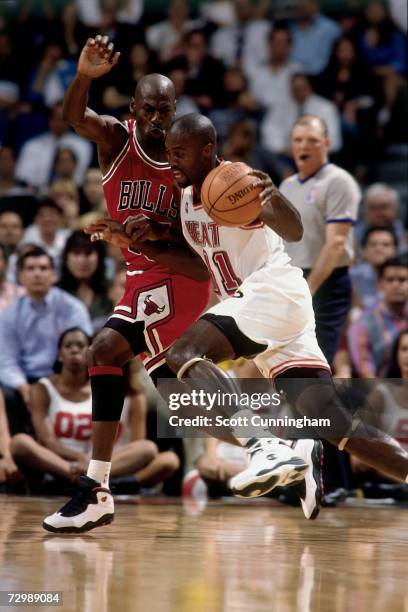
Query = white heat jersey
x=231 y=254
x=267 y=297
x=71 y=421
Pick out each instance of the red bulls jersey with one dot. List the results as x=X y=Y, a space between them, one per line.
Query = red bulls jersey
x=137 y=184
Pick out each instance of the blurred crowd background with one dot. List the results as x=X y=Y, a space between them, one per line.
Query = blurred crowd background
x=253 y=67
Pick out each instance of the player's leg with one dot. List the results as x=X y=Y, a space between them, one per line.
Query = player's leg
x=27 y=453
x=92 y=504
x=194 y=356
x=320 y=399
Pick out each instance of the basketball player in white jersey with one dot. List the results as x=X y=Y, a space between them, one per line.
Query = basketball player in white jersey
x=266 y=307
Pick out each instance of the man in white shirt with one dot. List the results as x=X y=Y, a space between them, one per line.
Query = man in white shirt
x=244 y=43
x=277 y=124
x=270 y=84
x=35 y=162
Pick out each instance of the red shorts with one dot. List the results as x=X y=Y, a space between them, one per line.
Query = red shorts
x=155 y=310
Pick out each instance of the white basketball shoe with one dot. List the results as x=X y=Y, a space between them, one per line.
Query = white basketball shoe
x=310 y=490
x=272 y=463
x=91 y=506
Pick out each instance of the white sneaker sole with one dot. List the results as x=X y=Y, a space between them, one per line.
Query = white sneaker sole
x=282 y=475
x=106 y=519
x=313 y=483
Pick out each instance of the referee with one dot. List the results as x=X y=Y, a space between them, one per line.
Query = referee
x=327 y=198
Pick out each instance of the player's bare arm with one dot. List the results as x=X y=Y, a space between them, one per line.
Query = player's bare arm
x=97 y=58
x=277 y=212
x=178 y=258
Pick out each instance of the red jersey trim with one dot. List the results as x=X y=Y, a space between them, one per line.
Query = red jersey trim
x=151 y=162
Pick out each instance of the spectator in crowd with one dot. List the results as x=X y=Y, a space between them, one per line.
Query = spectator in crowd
x=241 y=145
x=166 y=37
x=277 y=124
x=313 y=36
x=384 y=50
x=29 y=330
x=352 y=87
x=237 y=103
x=8 y=290
x=9 y=85
x=245 y=42
x=47 y=231
x=270 y=83
x=379 y=244
x=121 y=85
x=388 y=401
x=399 y=13
x=91 y=194
x=11 y=231
x=9 y=185
x=83 y=275
x=185 y=103
x=371 y=336
x=398 y=367
x=64 y=165
x=51 y=77
x=9 y=471
x=36 y=158
x=204 y=72
x=66 y=195
x=327 y=198
x=61 y=411
x=92 y=13
x=380 y=207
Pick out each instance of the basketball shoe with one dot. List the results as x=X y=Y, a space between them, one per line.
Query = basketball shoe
x=310 y=490
x=91 y=506
x=272 y=463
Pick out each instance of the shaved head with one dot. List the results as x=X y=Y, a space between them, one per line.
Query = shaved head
x=196 y=126
x=155 y=85
x=191 y=149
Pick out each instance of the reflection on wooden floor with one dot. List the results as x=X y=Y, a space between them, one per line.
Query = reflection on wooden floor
x=248 y=557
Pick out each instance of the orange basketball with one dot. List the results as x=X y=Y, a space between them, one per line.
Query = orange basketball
x=229 y=196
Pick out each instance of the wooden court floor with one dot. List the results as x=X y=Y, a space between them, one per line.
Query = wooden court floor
x=246 y=557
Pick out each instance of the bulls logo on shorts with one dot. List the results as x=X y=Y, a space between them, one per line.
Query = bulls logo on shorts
x=151 y=307
x=153 y=304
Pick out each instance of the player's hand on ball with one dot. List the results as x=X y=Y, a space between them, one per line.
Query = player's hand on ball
x=140 y=228
x=267 y=185
x=97 y=57
x=110 y=231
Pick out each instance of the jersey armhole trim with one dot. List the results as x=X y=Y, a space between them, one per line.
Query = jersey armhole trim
x=118 y=158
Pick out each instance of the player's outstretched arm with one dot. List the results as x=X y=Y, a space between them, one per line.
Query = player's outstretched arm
x=277 y=212
x=97 y=58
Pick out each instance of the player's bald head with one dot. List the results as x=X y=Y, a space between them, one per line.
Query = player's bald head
x=195 y=126
x=155 y=85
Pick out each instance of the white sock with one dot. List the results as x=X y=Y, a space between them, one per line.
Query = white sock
x=99 y=471
x=257 y=431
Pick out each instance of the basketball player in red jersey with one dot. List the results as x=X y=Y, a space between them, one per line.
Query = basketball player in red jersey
x=159 y=302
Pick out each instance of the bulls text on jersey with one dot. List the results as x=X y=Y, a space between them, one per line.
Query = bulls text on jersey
x=134 y=195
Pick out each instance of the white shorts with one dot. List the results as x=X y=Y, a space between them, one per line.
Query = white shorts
x=273 y=306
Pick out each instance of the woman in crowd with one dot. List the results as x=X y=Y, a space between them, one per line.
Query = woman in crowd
x=61 y=413
x=83 y=275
